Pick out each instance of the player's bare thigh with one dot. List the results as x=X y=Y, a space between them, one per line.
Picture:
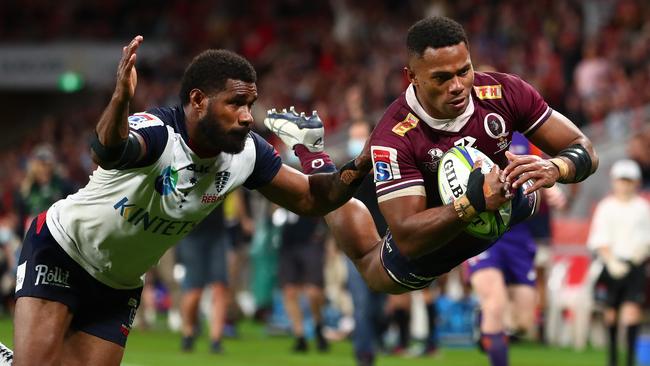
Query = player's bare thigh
x=353 y=229
x=40 y=327
x=42 y=336
x=81 y=349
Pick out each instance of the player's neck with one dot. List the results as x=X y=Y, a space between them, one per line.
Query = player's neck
x=200 y=151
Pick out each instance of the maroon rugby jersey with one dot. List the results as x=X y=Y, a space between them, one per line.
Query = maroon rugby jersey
x=407 y=145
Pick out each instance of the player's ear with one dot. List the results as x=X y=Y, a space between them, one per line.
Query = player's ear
x=410 y=75
x=198 y=100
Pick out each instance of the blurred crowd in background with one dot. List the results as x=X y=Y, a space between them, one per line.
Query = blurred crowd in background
x=588 y=58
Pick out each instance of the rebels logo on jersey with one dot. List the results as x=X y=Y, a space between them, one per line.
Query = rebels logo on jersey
x=384 y=160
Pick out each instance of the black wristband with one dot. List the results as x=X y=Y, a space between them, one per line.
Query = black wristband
x=580 y=158
x=474 y=190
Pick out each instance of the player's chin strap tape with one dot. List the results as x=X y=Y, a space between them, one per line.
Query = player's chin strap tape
x=116 y=156
x=472 y=202
x=350 y=174
x=580 y=158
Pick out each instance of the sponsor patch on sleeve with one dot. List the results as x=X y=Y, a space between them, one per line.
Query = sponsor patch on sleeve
x=384 y=160
x=488 y=92
x=20 y=276
x=409 y=123
x=143 y=120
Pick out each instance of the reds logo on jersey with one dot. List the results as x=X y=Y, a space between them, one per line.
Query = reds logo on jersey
x=434 y=154
x=384 y=160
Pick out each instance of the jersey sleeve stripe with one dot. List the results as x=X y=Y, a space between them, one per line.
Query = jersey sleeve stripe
x=542 y=118
x=408 y=191
x=398 y=185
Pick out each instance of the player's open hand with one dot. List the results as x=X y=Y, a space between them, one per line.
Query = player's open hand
x=127 y=77
x=521 y=168
x=495 y=191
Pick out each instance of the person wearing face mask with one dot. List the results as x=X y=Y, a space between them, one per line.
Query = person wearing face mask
x=620 y=237
x=356 y=141
x=369 y=316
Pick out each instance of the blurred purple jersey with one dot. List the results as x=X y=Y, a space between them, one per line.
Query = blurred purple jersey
x=514 y=253
x=407 y=145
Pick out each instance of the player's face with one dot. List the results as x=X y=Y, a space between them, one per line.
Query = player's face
x=228 y=117
x=624 y=188
x=443 y=79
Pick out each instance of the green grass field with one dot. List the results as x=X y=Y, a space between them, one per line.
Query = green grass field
x=254 y=347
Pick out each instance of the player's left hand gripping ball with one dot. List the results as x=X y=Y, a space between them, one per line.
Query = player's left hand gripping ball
x=295 y=128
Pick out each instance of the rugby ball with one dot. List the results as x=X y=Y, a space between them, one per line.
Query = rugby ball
x=453 y=173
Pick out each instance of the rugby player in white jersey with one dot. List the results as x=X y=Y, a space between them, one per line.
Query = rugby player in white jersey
x=80 y=271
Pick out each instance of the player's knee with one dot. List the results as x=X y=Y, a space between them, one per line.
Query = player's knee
x=43 y=352
x=494 y=306
x=524 y=320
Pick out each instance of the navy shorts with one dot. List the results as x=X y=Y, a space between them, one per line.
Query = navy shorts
x=204 y=258
x=418 y=273
x=46 y=271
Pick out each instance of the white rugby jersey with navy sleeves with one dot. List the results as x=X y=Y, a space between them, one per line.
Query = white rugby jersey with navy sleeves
x=120 y=224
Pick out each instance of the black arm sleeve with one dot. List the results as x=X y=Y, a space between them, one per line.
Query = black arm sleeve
x=117 y=156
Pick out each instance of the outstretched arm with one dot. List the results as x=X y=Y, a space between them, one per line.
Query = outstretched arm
x=315 y=194
x=113 y=141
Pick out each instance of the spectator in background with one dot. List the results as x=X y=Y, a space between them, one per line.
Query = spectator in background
x=638 y=149
x=240 y=228
x=431 y=295
x=369 y=318
x=9 y=244
x=42 y=185
x=399 y=308
x=620 y=237
x=592 y=77
x=203 y=253
x=301 y=261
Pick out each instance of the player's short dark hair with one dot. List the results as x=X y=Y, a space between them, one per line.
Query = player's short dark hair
x=210 y=70
x=434 y=32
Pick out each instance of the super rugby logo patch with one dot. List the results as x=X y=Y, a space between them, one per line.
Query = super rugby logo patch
x=142 y=120
x=384 y=159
